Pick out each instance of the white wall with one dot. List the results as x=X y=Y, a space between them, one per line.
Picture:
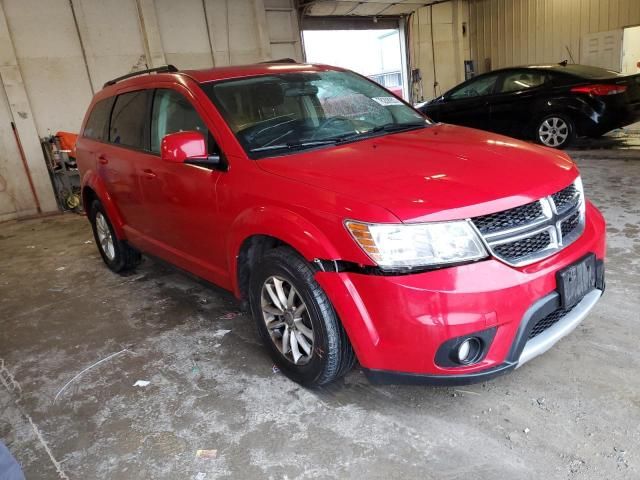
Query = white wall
x=50 y=65
x=631 y=50
x=15 y=194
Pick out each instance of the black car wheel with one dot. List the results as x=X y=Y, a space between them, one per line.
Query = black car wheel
x=116 y=253
x=296 y=320
x=555 y=131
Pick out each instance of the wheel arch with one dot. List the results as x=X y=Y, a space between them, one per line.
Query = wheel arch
x=577 y=110
x=261 y=229
x=93 y=188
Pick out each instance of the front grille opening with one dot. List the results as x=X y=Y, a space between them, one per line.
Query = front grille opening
x=566 y=198
x=548 y=321
x=570 y=224
x=507 y=219
x=514 y=251
x=515 y=235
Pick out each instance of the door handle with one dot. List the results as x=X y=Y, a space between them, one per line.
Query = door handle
x=148 y=173
x=102 y=159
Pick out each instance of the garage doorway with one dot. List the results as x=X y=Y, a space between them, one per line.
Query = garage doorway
x=631 y=50
x=374 y=53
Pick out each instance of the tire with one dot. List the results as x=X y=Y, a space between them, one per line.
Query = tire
x=116 y=253
x=331 y=355
x=555 y=131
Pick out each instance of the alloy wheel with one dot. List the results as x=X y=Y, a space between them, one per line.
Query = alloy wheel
x=287 y=320
x=105 y=237
x=553 y=131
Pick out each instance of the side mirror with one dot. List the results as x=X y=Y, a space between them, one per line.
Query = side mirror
x=188 y=147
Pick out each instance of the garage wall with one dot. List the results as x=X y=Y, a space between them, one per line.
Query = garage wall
x=518 y=32
x=55 y=54
x=439 y=44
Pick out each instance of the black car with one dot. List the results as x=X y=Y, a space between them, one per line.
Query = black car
x=551 y=104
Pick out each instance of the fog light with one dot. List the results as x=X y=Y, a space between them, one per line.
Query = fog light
x=469 y=350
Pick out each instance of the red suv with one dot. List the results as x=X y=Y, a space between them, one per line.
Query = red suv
x=350 y=225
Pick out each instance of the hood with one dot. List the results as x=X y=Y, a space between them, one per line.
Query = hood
x=442 y=172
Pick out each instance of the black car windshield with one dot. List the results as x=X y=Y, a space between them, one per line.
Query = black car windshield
x=277 y=114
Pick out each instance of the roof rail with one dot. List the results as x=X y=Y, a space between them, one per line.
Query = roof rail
x=281 y=60
x=162 y=69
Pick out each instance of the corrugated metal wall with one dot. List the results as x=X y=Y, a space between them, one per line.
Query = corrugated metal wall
x=438 y=52
x=517 y=32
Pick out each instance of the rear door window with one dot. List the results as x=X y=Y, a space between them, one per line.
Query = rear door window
x=172 y=113
x=129 y=118
x=98 y=120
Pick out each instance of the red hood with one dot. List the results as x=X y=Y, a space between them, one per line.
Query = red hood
x=439 y=173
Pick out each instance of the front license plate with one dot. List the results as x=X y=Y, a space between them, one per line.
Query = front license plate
x=576 y=280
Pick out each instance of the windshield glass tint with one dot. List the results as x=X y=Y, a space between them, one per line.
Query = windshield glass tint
x=273 y=114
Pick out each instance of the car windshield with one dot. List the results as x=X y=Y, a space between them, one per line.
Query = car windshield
x=280 y=113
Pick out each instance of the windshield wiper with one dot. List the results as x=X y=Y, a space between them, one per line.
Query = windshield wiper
x=294 y=145
x=395 y=127
x=388 y=127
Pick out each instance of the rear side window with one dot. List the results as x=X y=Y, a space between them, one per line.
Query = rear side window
x=98 y=119
x=128 y=119
x=522 y=80
x=173 y=113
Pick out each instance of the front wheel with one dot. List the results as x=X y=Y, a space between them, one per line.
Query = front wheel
x=555 y=131
x=296 y=320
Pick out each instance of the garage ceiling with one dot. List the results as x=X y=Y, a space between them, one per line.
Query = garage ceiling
x=363 y=8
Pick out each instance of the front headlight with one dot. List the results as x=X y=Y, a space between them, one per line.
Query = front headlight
x=393 y=246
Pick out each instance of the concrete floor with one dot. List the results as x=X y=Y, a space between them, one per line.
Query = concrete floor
x=571 y=414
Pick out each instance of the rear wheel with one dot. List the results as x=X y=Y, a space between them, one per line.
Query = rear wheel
x=555 y=131
x=116 y=253
x=296 y=320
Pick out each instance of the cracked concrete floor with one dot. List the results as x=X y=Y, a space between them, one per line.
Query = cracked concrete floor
x=573 y=413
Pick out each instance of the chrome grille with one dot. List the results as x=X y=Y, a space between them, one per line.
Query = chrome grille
x=566 y=198
x=512 y=218
x=570 y=224
x=526 y=234
x=524 y=247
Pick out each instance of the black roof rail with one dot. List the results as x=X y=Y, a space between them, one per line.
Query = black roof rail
x=162 y=69
x=281 y=60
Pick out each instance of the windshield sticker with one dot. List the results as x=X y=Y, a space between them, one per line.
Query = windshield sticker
x=387 y=101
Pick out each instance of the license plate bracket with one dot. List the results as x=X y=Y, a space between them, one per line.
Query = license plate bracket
x=576 y=280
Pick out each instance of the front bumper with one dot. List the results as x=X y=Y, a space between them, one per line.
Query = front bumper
x=522 y=349
x=397 y=323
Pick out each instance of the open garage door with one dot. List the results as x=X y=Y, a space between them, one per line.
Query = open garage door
x=394 y=20
x=374 y=49
x=365 y=36
x=363 y=8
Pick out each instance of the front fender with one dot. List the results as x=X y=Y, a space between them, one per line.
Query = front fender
x=93 y=181
x=285 y=225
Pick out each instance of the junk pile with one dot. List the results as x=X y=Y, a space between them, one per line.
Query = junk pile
x=60 y=156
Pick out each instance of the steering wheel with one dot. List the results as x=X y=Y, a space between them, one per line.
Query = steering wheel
x=329 y=121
